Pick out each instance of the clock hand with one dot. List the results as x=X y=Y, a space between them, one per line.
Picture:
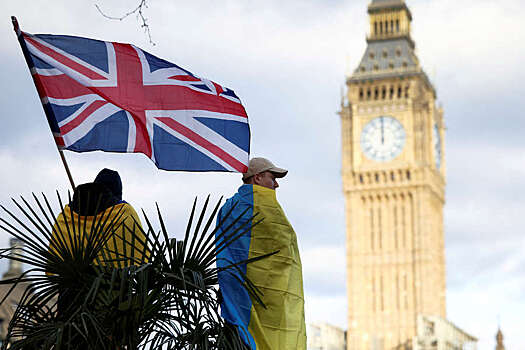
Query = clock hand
x=382 y=132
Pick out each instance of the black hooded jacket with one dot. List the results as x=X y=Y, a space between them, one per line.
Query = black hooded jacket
x=92 y=198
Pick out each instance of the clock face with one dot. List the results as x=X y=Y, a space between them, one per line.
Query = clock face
x=383 y=138
x=437 y=146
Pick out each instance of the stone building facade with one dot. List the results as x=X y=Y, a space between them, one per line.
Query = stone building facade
x=324 y=336
x=8 y=307
x=436 y=333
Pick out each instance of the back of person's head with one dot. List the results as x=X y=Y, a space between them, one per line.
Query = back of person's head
x=110 y=179
x=92 y=198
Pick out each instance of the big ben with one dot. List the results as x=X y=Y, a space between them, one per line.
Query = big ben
x=393 y=170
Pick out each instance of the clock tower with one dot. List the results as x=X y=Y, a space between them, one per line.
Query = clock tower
x=393 y=170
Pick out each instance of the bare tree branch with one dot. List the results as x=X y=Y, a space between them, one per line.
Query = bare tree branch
x=140 y=16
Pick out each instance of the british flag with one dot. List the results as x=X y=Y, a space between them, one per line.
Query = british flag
x=116 y=97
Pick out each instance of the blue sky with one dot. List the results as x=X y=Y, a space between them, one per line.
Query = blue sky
x=287 y=61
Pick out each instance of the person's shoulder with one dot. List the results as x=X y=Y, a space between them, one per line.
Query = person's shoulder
x=125 y=208
x=244 y=195
x=124 y=205
x=127 y=211
x=242 y=198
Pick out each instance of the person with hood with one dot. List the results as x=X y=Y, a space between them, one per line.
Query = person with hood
x=98 y=206
x=279 y=324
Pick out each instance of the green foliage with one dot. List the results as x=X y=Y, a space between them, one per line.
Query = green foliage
x=164 y=298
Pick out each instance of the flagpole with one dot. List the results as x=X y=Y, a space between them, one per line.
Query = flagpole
x=43 y=100
x=69 y=176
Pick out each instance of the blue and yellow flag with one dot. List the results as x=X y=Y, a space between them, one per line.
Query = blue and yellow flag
x=281 y=325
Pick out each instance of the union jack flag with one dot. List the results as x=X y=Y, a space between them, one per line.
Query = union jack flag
x=116 y=97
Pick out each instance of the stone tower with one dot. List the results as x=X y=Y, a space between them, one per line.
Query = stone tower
x=393 y=181
x=15 y=267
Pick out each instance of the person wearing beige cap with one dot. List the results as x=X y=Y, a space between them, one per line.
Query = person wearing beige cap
x=279 y=324
x=262 y=172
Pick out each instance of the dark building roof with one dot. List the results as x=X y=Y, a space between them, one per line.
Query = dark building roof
x=396 y=54
x=390 y=58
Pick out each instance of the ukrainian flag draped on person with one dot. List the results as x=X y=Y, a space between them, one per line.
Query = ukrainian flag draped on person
x=279 y=277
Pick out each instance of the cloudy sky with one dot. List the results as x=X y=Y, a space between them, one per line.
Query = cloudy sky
x=287 y=60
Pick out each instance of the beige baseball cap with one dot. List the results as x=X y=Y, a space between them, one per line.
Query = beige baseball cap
x=259 y=165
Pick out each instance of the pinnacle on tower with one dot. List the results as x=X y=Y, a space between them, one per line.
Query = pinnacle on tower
x=15 y=267
x=499 y=340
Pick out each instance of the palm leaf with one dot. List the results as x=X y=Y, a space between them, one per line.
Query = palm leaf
x=81 y=295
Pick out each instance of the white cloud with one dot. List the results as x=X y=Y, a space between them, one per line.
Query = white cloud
x=324 y=270
x=470 y=43
x=326 y=309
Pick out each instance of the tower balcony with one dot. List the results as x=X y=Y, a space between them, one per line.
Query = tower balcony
x=390 y=36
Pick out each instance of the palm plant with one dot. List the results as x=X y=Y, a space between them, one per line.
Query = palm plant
x=82 y=297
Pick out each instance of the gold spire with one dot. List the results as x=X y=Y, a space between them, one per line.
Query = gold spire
x=499 y=340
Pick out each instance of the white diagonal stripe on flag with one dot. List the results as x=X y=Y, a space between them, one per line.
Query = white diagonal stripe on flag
x=79 y=77
x=132 y=132
x=187 y=119
x=89 y=123
x=77 y=112
x=49 y=72
x=216 y=115
x=74 y=100
x=194 y=145
x=71 y=57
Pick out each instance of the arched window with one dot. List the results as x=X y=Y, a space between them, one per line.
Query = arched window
x=392 y=26
x=361 y=93
x=399 y=92
x=376 y=93
x=397 y=25
x=383 y=93
x=406 y=91
x=375 y=28
x=391 y=92
x=381 y=27
x=368 y=93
